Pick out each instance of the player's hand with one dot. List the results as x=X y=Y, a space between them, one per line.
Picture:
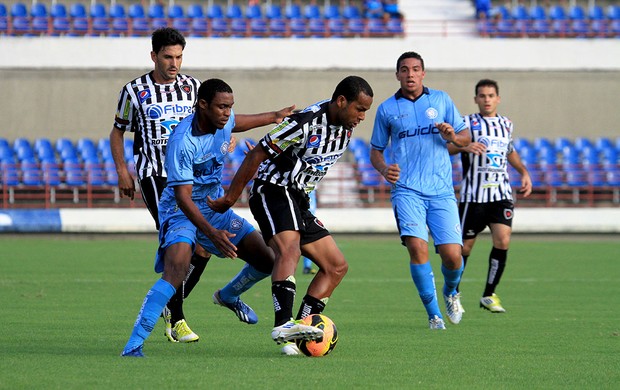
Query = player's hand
x=391 y=173
x=126 y=185
x=233 y=144
x=476 y=148
x=526 y=185
x=446 y=131
x=283 y=113
x=220 y=205
x=221 y=239
x=249 y=145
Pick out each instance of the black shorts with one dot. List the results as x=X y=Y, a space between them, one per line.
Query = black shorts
x=476 y=216
x=151 y=188
x=277 y=209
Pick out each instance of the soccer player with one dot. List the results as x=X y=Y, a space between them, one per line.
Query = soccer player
x=151 y=106
x=293 y=157
x=485 y=194
x=420 y=122
x=194 y=161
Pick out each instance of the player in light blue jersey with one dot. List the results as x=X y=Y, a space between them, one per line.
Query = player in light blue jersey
x=420 y=122
x=194 y=160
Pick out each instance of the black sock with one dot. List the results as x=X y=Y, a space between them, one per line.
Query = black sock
x=464 y=264
x=310 y=305
x=283 y=293
x=175 y=305
x=497 y=263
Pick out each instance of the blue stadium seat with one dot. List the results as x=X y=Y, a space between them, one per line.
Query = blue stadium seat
x=117 y=10
x=599 y=28
x=20 y=19
x=614 y=28
x=19 y=9
x=297 y=27
x=219 y=27
x=576 y=178
x=312 y=11
x=254 y=11
x=596 y=12
x=234 y=11
x=214 y=11
x=74 y=178
x=557 y=12
x=77 y=10
x=195 y=10
x=538 y=12
x=4 y=20
x=613 y=177
x=579 y=28
x=560 y=27
x=351 y=12
x=182 y=24
x=394 y=26
x=60 y=25
x=293 y=11
x=119 y=27
x=356 y=27
x=136 y=11
x=32 y=177
x=38 y=10
x=519 y=12
x=336 y=27
x=273 y=11
x=128 y=146
x=238 y=27
x=277 y=28
x=258 y=27
x=502 y=10
x=40 y=25
x=156 y=10
x=58 y=10
x=175 y=11
x=317 y=28
x=97 y=10
x=199 y=27
x=602 y=143
x=331 y=11
x=613 y=12
x=582 y=143
x=9 y=175
x=576 y=12
x=376 y=27
x=100 y=25
x=505 y=28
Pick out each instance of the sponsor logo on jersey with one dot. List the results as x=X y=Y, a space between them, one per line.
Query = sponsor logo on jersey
x=156 y=111
x=475 y=125
x=494 y=160
x=314 y=160
x=426 y=130
x=314 y=141
x=508 y=213
x=431 y=113
x=143 y=95
x=169 y=127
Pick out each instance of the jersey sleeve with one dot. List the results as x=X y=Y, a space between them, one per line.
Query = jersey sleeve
x=179 y=162
x=123 y=119
x=288 y=133
x=380 y=131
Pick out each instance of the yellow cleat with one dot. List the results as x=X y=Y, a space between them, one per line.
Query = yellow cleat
x=183 y=334
x=492 y=304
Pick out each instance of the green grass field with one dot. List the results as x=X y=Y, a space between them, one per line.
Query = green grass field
x=68 y=305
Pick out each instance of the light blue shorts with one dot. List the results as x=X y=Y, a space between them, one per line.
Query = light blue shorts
x=414 y=213
x=176 y=227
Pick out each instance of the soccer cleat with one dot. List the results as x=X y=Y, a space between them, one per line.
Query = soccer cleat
x=183 y=334
x=309 y=271
x=165 y=314
x=436 y=323
x=133 y=352
x=454 y=309
x=290 y=349
x=492 y=303
x=243 y=311
x=295 y=330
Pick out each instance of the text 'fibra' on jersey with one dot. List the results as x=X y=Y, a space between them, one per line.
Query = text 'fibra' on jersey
x=156 y=111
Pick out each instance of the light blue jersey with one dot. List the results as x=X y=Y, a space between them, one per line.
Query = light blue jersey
x=417 y=146
x=196 y=159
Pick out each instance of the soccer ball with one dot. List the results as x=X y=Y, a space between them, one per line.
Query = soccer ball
x=324 y=345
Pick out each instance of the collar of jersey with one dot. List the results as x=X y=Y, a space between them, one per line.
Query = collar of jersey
x=399 y=94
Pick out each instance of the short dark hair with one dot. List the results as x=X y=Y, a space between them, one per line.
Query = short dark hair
x=351 y=87
x=487 y=83
x=409 y=54
x=211 y=87
x=166 y=36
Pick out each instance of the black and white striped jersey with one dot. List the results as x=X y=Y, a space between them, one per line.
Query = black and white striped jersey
x=152 y=111
x=302 y=148
x=485 y=177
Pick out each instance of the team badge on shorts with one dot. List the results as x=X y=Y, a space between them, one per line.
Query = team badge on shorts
x=508 y=213
x=316 y=220
x=236 y=225
x=431 y=113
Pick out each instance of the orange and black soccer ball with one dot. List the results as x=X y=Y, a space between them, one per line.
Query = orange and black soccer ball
x=324 y=345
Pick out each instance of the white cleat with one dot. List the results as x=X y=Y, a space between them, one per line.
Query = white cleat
x=436 y=323
x=454 y=309
x=295 y=330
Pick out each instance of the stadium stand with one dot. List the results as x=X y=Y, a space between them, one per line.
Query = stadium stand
x=64 y=173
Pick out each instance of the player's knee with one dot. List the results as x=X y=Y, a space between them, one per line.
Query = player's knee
x=336 y=269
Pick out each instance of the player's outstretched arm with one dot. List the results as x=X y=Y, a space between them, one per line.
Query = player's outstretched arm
x=245 y=122
x=526 y=181
x=244 y=174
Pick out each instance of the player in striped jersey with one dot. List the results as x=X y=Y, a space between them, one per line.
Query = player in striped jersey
x=151 y=106
x=486 y=195
x=291 y=159
x=420 y=122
